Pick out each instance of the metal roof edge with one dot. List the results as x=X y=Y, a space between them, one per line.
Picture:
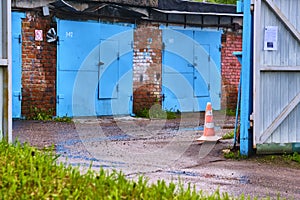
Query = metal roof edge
x=197 y=13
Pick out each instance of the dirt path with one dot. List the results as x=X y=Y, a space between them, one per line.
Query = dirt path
x=161 y=149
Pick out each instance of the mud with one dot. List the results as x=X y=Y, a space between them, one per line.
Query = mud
x=162 y=149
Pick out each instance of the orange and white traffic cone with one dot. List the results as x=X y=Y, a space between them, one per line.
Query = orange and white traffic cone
x=209 y=127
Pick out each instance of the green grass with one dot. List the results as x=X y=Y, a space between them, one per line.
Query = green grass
x=228 y=135
x=63 y=119
x=157 y=113
x=27 y=173
x=40 y=114
x=293 y=157
x=46 y=115
x=235 y=155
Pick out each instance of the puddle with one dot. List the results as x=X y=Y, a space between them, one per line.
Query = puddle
x=96 y=139
x=241 y=179
x=87 y=165
x=244 y=180
x=183 y=173
x=198 y=128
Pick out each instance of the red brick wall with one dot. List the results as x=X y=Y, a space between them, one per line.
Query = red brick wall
x=147 y=66
x=38 y=66
x=231 y=42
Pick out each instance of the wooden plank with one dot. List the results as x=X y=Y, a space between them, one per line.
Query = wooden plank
x=279 y=119
x=284 y=19
x=279 y=68
x=3 y=62
x=256 y=66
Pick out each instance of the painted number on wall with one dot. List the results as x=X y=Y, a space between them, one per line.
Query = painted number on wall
x=69 y=34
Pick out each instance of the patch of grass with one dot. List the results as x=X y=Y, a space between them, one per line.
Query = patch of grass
x=144 y=113
x=28 y=173
x=228 y=112
x=63 y=119
x=43 y=115
x=156 y=112
x=228 y=135
x=40 y=114
x=293 y=157
x=235 y=155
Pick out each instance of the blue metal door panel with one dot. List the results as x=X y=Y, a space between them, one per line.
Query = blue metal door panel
x=191 y=69
x=16 y=63
x=201 y=61
x=177 y=63
x=210 y=40
x=76 y=41
x=108 y=69
x=91 y=80
x=65 y=79
x=123 y=104
x=178 y=94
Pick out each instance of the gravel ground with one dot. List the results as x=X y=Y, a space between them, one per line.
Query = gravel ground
x=163 y=149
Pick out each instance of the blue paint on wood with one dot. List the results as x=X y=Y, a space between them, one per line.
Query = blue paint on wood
x=16 y=63
x=239 y=56
x=94 y=75
x=191 y=69
x=246 y=133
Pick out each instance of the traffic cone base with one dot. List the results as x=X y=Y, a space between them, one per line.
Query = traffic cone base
x=204 y=138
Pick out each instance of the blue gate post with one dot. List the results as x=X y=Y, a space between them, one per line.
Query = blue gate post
x=246 y=132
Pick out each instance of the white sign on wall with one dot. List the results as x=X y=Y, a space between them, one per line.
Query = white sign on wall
x=38 y=35
x=271 y=38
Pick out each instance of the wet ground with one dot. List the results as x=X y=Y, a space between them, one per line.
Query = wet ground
x=163 y=149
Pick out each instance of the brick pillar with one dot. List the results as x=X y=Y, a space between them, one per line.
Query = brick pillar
x=231 y=42
x=147 y=66
x=39 y=66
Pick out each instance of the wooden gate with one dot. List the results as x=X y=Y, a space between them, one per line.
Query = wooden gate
x=276 y=72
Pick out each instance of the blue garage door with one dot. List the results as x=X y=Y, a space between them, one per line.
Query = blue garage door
x=191 y=69
x=94 y=75
x=16 y=63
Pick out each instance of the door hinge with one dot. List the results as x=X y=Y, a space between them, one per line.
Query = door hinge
x=208 y=58
x=132 y=44
x=163 y=46
x=20 y=39
x=208 y=86
x=60 y=96
x=20 y=94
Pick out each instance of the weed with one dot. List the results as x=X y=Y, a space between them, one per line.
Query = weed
x=228 y=135
x=234 y=155
x=40 y=114
x=63 y=119
x=155 y=112
x=293 y=157
x=143 y=113
x=228 y=112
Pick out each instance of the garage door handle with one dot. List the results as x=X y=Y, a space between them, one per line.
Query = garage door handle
x=100 y=63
